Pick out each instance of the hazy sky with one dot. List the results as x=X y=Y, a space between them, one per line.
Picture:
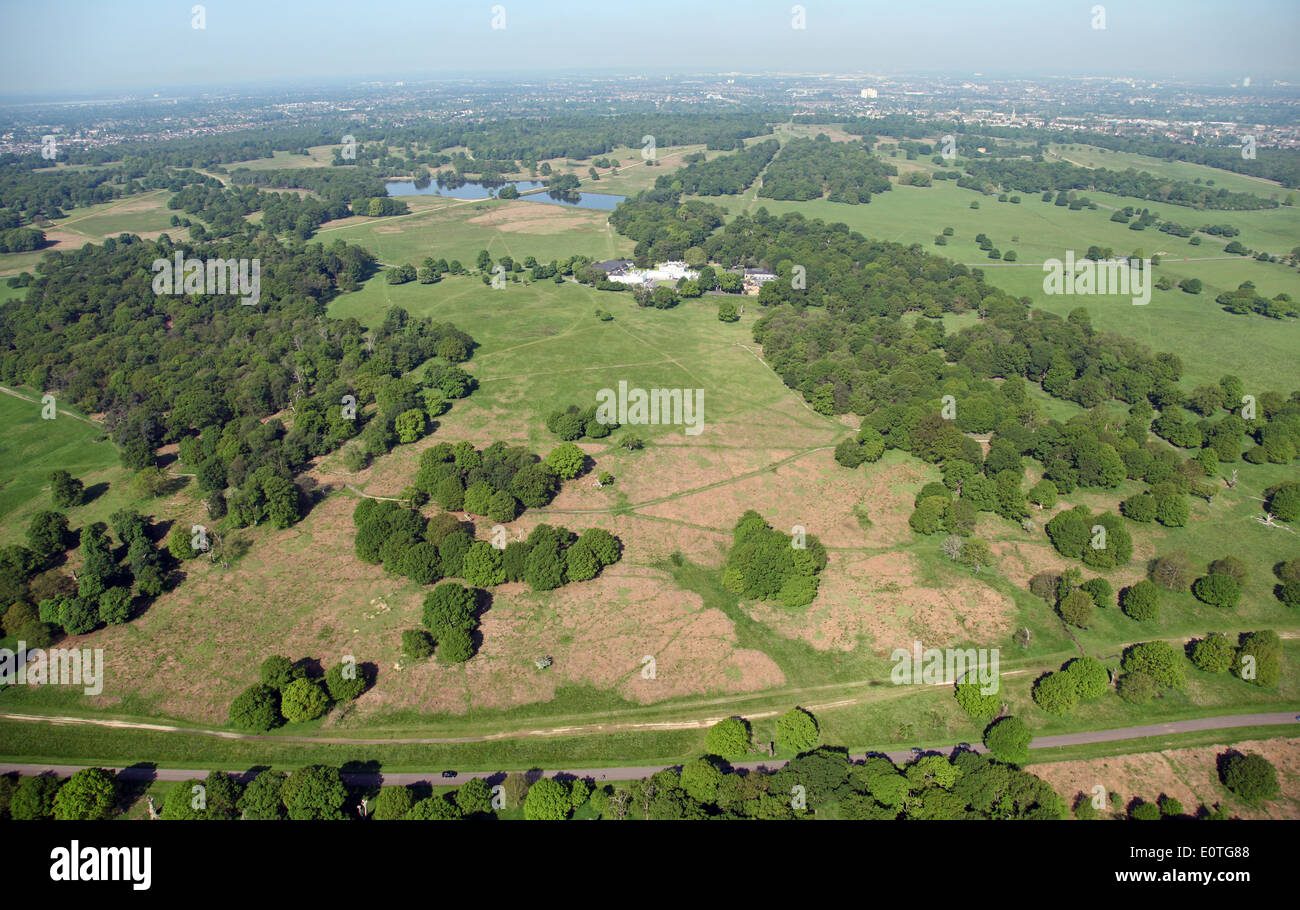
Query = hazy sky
x=84 y=46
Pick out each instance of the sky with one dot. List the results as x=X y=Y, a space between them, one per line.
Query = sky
x=84 y=47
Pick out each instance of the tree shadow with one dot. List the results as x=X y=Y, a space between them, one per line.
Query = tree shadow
x=93 y=492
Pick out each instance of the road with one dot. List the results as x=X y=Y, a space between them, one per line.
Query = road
x=363 y=778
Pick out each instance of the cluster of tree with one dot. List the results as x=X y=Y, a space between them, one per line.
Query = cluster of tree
x=331 y=184
x=663 y=226
x=1244 y=300
x=765 y=564
x=1150 y=669
x=1101 y=541
x=21 y=240
x=28 y=195
x=1256 y=658
x=1288 y=574
x=1074 y=598
x=573 y=423
x=106 y=590
x=500 y=481
x=725 y=175
x=442 y=547
x=290 y=691
x=1079 y=680
x=224 y=209
x=1039 y=176
x=841 y=171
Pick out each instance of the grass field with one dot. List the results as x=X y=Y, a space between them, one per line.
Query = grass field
x=31 y=448
x=302 y=592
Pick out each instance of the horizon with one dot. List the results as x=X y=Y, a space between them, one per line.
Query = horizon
x=153 y=46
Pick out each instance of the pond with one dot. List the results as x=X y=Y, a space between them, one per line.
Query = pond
x=472 y=189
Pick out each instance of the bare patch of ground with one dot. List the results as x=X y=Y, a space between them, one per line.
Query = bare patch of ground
x=1189 y=775
x=886 y=600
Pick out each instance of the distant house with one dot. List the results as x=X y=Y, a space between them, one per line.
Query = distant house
x=612 y=267
x=671 y=271
x=754 y=279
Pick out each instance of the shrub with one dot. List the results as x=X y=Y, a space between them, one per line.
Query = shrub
x=256 y=708
x=728 y=738
x=417 y=644
x=974 y=702
x=796 y=730
x=1141 y=601
x=1100 y=591
x=1076 y=608
x=1008 y=739
x=1213 y=654
x=1252 y=777
x=303 y=700
x=1217 y=590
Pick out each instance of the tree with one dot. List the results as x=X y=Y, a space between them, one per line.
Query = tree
x=455 y=646
x=33 y=799
x=422 y=564
x=482 y=565
x=474 y=797
x=1259 y=659
x=261 y=800
x=728 y=738
x=1141 y=601
x=448 y=606
x=535 y=485
x=1213 y=654
x=974 y=701
x=1252 y=777
x=579 y=563
x=796 y=731
x=115 y=605
x=88 y=795
x=1008 y=739
x=417 y=644
x=315 y=792
x=433 y=808
x=67 y=491
x=256 y=708
x=1089 y=676
x=47 y=536
x=1159 y=659
x=727 y=311
x=180 y=803
x=1217 y=590
x=603 y=545
x=1284 y=502
x=410 y=425
x=345 y=681
x=544 y=565
x=701 y=779
x=392 y=803
x=547 y=800
x=1077 y=608
x=566 y=460
x=303 y=700
x=1172 y=511
x=1056 y=693
x=278 y=671
x=1138 y=687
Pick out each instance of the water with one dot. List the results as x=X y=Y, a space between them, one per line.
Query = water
x=472 y=189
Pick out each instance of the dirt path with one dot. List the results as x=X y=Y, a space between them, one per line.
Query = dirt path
x=17 y=394
x=451 y=778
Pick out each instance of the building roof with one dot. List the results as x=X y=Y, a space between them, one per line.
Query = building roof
x=612 y=265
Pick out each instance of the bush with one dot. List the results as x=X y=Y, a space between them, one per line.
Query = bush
x=303 y=700
x=974 y=702
x=1076 y=608
x=455 y=646
x=256 y=708
x=1213 y=654
x=1252 y=777
x=1137 y=688
x=1100 y=591
x=345 y=681
x=1141 y=601
x=1008 y=739
x=1089 y=676
x=1055 y=693
x=1217 y=590
x=728 y=738
x=796 y=731
x=417 y=644
x=1230 y=566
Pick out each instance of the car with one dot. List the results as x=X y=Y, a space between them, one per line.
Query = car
x=448 y=773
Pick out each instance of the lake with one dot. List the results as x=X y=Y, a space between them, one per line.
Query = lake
x=472 y=189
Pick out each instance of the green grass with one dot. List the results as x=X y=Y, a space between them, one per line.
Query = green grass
x=32 y=447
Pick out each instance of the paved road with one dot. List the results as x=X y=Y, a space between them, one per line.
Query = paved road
x=145 y=772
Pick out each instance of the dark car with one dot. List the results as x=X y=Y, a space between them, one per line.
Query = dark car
x=448 y=773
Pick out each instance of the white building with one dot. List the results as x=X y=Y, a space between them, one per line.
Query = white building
x=664 y=271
